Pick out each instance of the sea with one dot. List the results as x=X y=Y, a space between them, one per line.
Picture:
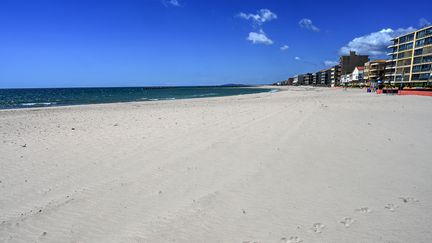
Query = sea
x=47 y=97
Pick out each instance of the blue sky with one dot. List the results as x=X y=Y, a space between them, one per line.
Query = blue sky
x=74 y=43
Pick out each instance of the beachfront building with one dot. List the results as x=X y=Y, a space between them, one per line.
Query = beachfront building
x=290 y=81
x=335 y=73
x=389 y=72
x=411 y=58
x=346 y=79
x=298 y=79
x=325 y=79
x=308 y=79
x=348 y=63
x=316 y=79
x=357 y=77
x=374 y=71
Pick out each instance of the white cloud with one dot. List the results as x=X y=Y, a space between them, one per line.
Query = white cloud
x=374 y=43
x=424 y=22
x=330 y=63
x=174 y=3
x=307 y=24
x=259 y=38
x=297 y=58
x=262 y=16
x=284 y=47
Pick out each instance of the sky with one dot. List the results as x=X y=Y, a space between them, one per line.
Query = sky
x=94 y=43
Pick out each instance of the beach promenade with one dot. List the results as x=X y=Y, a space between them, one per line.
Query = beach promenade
x=299 y=165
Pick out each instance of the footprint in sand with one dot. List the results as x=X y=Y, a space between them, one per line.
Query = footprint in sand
x=317 y=227
x=390 y=207
x=364 y=210
x=408 y=199
x=292 y=239
x=347 y=222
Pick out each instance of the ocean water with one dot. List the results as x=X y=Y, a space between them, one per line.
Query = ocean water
x=25 y=98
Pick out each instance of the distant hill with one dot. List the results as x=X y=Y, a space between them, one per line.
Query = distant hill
x=235 y=85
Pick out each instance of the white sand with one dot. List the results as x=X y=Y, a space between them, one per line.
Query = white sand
x=258 y=168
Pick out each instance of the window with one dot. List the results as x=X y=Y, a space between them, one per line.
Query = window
x=406 y=38
x=424 y=59
x=423 y=42
x=424 y=76
x=427 y=59
x=400 y=55
x=420 y=43
x=426 y=67
x=417 y=60
x=424 y=33
x=418 y=52
x=421 y=68
x=406 y=46
x=416 y=69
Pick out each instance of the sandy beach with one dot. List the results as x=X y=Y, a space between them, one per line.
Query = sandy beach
x=299 y=165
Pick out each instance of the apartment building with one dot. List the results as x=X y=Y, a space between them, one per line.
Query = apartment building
x=290 y=81
x=308 y=79
x=298 y=80
x=325 y=79
x=316 y=79
x=374 y=71
x=410 y=58
x=348 y=63
x=335 y=73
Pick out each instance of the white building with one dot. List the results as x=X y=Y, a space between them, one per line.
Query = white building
x=346 y=79
x=358 y=75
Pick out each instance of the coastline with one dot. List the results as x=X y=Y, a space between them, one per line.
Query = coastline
x=58 y=103
x=320 y=164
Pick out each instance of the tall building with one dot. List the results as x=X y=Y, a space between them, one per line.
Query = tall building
x=290 y=81
x=325 y=79
x=348 y=63
x=335 y=74
x=374 y=71
x=389 y=72
x=298 y=80
x=411 y=58
x=308 y=79
x=316 y=79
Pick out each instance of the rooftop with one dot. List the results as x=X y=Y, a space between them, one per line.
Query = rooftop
x=426 y=27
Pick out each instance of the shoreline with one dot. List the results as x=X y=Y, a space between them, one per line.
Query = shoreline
x=147 y=100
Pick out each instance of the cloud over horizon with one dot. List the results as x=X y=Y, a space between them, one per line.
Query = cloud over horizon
x=306 y=23
x=374 y=43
